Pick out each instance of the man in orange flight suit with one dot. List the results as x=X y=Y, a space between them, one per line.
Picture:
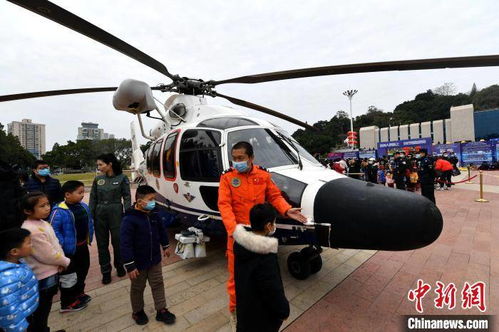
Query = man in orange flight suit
x=242 y=187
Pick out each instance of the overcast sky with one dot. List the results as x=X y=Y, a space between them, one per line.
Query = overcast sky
x=223 y=39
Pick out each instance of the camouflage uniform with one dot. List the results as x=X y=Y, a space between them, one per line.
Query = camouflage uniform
x=107 y=208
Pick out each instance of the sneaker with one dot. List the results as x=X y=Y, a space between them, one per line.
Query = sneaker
x=120 y=271
x=140 y=318
x=446 y=188
x=84 y=298
x=106 y=278
x=165 y=316
x=75 y=306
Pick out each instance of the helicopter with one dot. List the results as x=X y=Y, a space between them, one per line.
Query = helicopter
x=191 y=146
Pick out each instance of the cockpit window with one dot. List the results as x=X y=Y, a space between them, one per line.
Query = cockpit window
x=292 y=190
x=200 y=156
x=225 y=123
x=270 y=150
x=303 y=153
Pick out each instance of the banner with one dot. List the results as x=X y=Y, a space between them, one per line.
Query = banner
x=495 y=144
x=408 y=146
x=350 y=154
x=366 y=154
x=334 y=155
x=477 y=153
x=440 y=149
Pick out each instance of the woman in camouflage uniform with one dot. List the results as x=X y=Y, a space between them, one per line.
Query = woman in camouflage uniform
x=107 y=207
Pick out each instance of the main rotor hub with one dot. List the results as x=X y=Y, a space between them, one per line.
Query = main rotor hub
x=189 y=86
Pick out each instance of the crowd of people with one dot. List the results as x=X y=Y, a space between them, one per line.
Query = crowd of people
x=411 y=172
x=48 y=249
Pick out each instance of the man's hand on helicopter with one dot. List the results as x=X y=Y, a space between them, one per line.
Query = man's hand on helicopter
x=295 y=213
x=133 y=274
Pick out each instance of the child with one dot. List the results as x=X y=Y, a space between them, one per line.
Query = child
x=74 y=227
x=389 y=179
x=142 y=237
x=47 y=258
x=19 y=288
x=261 y=302
x=381 y=175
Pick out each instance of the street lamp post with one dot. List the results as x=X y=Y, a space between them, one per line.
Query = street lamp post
x=349 y=94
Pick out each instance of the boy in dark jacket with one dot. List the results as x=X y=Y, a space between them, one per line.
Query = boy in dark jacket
x=74 y=227
x=261 y=303
x=142 y=237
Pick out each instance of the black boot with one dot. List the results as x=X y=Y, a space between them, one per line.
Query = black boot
x=106 y=278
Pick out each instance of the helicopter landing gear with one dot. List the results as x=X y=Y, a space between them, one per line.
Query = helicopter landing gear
x=303 y=263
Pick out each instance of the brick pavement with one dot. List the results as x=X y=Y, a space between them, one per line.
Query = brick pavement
x=374 y=296
x=196 y=292
x=355 y=291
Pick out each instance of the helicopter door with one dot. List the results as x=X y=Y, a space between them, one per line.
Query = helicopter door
x=200 y=159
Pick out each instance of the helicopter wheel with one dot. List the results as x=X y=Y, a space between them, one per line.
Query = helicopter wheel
x=298 y=265
x=313 y=255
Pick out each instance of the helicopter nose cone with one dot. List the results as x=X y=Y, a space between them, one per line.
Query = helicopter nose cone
x=370 y=216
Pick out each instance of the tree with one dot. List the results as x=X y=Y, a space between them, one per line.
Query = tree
x=473 y=90
x=12 y=152
x=447 y=89
x=83 y=153
x=487 y=98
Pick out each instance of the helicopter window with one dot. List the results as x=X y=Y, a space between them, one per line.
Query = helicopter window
x=200 y=156
x=292 y=190
x=169 y=156
x=154 y=159
x=270 y=151
x=224 y=123
x=303 y=153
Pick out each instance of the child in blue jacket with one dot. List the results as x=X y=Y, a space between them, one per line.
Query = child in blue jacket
x=142 y=239
x=18 y=284
x=74 y=228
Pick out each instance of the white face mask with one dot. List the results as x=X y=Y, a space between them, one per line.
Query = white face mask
x=272 y=232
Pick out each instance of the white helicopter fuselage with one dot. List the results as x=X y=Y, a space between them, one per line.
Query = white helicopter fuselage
x=188 y=194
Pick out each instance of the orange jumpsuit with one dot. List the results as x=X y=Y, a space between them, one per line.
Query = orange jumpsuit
x=237 y=194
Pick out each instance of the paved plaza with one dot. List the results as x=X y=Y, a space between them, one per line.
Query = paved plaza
x=356 y=290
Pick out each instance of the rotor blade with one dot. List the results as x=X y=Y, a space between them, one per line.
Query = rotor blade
x=73 y=22
x=438 y=63
x=265 y=110
x=49 y=93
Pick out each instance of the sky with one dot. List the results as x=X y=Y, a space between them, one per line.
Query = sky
x=225 y=39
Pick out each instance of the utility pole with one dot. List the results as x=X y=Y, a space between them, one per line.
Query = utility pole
x=350 y=94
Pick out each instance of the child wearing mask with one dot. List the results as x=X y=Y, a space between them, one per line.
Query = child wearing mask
x=261 y=302
x=142 y=240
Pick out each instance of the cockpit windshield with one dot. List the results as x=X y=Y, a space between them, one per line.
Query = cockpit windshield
x=270 y=150
x=303 y=153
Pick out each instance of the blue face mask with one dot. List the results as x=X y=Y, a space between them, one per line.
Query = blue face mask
x=240 y=166
x=44 y=172
x=150 y=205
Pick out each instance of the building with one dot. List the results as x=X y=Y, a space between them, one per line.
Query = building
x=91 y=131
x=464 y=125
x=31 y=135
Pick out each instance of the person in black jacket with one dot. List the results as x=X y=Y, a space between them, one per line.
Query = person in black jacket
x=261 y=303
x=426 y=172
x=41 y=180
x=143 y=237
